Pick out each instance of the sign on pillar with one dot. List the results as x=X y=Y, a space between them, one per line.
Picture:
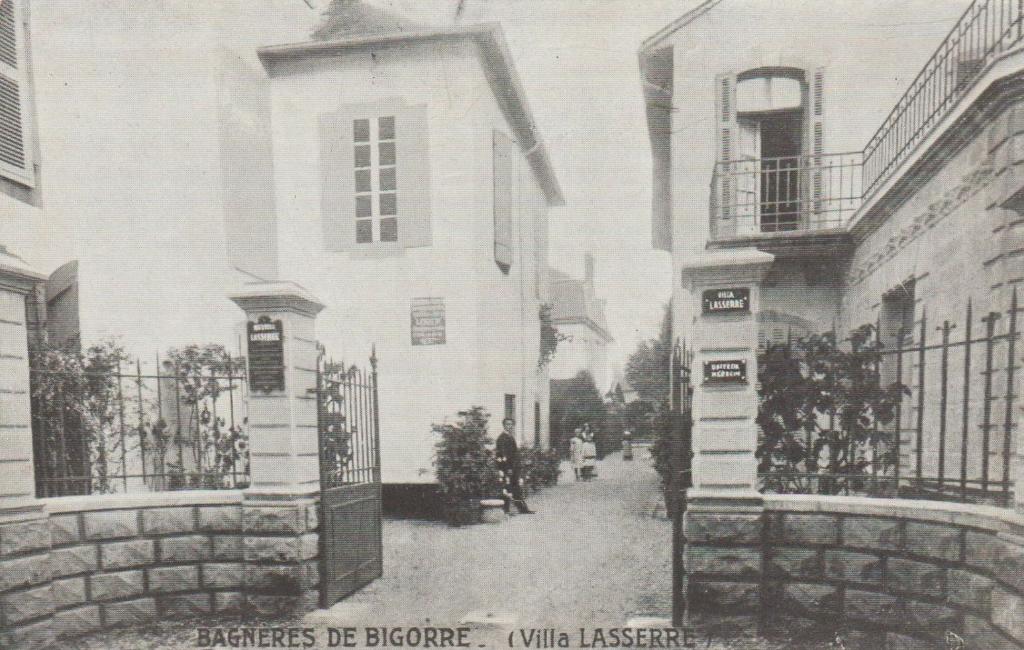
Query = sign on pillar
x=725 y=401
x=281 y=358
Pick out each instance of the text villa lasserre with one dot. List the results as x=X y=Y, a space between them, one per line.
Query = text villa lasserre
x=440 y=637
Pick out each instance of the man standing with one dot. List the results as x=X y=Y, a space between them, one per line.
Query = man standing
x=507 y=455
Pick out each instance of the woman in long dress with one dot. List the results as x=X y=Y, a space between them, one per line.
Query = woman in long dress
x=589 y=455
x=576 y=452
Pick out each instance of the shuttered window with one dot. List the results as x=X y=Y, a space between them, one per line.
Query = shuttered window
x=375 y=171
x=376 y=179
x=506 y=199
x=14 y=158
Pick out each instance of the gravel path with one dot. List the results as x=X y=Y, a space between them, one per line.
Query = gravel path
x=593 y=557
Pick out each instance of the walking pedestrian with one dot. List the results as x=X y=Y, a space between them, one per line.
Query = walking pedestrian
x=507 y=457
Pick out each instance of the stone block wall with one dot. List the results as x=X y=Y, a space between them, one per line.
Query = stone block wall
x=904 y=572
x=87 y=563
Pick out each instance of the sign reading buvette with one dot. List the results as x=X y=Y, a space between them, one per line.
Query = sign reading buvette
x=718 y=301
x=731 y=371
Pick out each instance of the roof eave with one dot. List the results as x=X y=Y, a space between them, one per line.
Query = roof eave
x=659 y=36
x=498 y=61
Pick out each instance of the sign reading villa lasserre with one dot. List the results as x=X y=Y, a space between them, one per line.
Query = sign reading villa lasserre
x=428 y=327
x=730 y=371
x=266 y=354
x=718 y=301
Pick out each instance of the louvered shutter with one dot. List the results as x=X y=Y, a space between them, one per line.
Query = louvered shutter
x=816 y=140
x=506 y=197
x=413 y=176
x=727 y=136
x=14 y=153
x=337 y=185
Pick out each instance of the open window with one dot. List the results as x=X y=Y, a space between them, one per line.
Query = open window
x=769 y=134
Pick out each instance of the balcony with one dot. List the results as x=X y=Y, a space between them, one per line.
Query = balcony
x=804 y=198
x=795 y=194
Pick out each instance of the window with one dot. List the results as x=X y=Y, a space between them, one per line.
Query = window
x=770 y=130
x=376 y=179
x=510 y=406
x=536 y=425
x=15 y=160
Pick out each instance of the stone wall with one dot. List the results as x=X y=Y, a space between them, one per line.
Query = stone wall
x=902 y=572
x=102 y=561
x=954 y=235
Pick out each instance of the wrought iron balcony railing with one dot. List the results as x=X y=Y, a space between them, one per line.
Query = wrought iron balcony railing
x=795 y=193
x=986 y=29
x=807 y=193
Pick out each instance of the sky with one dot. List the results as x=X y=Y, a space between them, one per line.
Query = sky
x=579 y=66
x=578 y=62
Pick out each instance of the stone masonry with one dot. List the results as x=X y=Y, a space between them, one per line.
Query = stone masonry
x=82 y=569
x=902 y=572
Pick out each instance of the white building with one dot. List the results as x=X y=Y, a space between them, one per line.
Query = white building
x=412 y=192
x=579 y=315
x=150 y=185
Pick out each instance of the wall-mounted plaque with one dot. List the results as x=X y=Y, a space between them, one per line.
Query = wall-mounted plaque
x=723 y=301
x=728 y=371
x=427 y=315
x=266 y=354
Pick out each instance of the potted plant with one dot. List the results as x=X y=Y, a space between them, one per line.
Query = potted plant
x=465 y=467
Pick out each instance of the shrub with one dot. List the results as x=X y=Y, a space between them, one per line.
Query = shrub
x=575 y=402
x=539 y=467
x=822 y=408
x=464 y=465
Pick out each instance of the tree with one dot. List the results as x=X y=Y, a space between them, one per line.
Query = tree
x=550 y=337
x=575 y=402
x=823 y=408
x=648 y=367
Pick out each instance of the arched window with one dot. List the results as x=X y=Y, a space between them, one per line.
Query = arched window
x=770 y=129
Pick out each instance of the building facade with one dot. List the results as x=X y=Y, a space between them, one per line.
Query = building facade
x=884 y=203
x=152 y=165
x=414 y=204
x=579 y=316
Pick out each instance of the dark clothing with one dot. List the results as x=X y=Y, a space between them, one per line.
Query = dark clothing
x=507 y=456
x=507 y=451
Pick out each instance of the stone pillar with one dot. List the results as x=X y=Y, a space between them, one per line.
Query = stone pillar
x=17 y=472
x=724 y=522
x=24 y=531
x=279 y=510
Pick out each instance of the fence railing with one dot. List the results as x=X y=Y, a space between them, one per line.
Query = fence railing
x=126 y=431
x=348 y=423
x=949 y=436
x=986 y=28
x=809 y=193
x=793 y=193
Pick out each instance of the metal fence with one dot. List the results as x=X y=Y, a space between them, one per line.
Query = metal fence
x=792 y=193
x=950 y=435
x=986 y=29
x=126 y=431
x=349 y=423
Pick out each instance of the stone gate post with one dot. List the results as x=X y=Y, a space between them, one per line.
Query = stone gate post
x=17 y=478
x=724 y=519
x=279 y=509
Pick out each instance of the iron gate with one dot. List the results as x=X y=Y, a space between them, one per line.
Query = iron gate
x=351 y=541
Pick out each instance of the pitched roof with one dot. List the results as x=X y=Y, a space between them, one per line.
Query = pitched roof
x=679 y=23
x=382 y=33
x=349 y=18
x=570 y=304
